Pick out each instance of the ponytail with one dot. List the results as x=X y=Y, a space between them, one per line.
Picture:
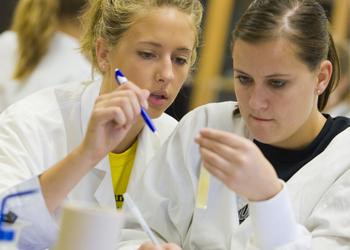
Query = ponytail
x=35 y=23
x=333 y=82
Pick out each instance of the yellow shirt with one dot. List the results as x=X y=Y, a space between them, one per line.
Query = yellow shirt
x=121 y=166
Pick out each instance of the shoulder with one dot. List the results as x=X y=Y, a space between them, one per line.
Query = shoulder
x=165 y=124
x=344 y=136
x=8 y=51
x=48 y=103
x=218 y=109
x=220 y=115
x=64 y=56
x=8 y=38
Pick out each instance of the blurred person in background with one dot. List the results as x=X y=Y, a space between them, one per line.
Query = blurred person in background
x=339 y=100
x=41 y=49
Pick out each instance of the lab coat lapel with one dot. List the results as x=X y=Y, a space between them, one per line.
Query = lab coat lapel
x=308 y=185
x=148 y=144
x=104 y=194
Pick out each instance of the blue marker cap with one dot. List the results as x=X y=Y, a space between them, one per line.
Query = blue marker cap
x=119 y=76
x=121 y=79
x=9 y=234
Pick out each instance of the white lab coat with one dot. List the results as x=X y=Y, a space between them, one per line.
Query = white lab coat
x=341 y=109
x=40 y=130
x=62 y=63
x=317 y=217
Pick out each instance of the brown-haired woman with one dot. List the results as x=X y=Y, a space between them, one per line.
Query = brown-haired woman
x=280 y=167
x=86 y=141
x=41 y=49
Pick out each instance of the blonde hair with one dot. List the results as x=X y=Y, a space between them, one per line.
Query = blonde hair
x=35 y=22
x=110 y=19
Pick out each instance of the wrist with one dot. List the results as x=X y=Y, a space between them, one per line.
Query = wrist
x=88 y=158
x=269 y=192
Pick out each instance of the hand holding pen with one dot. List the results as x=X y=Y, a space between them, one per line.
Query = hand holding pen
x=121 y=79
x=112 y=116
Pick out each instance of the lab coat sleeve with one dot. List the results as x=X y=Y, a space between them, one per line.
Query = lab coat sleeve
x=22 y=159
x=271 y=214
x=327 y=227
x=39 y=228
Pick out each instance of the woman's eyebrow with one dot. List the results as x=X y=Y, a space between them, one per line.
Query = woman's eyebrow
x=158 y=45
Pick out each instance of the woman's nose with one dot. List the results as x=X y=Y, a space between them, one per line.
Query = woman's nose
x=165 y=72
x=258 y=98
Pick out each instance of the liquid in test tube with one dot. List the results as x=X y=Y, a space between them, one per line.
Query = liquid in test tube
x=203 y=188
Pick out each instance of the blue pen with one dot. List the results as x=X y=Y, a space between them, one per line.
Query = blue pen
x=121 y=79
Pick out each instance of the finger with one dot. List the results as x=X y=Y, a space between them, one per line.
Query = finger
x=112 y=99
x=141 y=94
x=224 y=137
x=149 y=246
x=105 y=115
x=213 y=160
x=226 y=151
x=171 y=246
x=215 y=172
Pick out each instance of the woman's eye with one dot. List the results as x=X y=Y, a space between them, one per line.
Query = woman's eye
x=277 y=83
x=180 y=60
x=244 y=79
x=146 y=55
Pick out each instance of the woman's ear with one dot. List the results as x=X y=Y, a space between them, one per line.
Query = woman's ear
x=102 y=52
x=324 y=76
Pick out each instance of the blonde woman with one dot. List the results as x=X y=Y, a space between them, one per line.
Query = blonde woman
x=42 y=48
x=86 y=141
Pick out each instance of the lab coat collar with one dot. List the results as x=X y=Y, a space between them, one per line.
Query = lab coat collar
x=311 y=181
x=148 y=144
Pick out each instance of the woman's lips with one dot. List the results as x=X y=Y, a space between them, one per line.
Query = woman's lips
x=256 y=118
x=158 y=98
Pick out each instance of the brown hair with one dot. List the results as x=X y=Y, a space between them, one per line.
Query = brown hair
x=35 y=22
x=302 y=22
x=110 y=19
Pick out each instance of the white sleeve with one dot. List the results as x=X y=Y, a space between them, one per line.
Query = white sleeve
x=327 y=227
x=41 y=231
x=22 y=159
x=267 y=216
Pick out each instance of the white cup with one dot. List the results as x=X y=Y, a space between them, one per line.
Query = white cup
x=89 y=228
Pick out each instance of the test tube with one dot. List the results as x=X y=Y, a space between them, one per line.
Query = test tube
x=203 y=188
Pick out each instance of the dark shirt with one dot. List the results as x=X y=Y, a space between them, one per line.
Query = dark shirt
x=287 y=162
